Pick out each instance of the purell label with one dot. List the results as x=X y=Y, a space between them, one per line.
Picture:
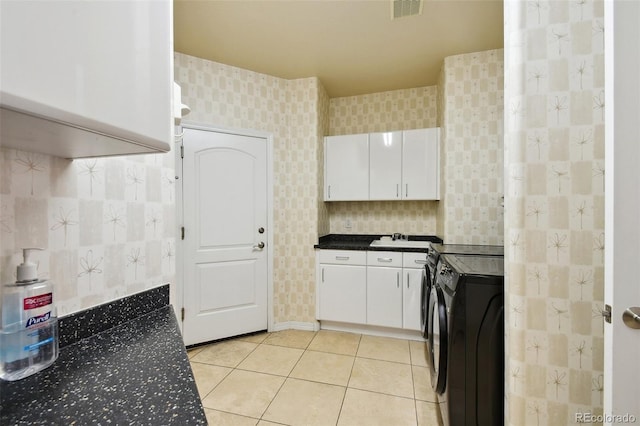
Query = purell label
x=34 y=302
x=38 y=319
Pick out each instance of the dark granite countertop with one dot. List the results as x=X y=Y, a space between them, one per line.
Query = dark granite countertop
x=134 y=372
x=361 y=242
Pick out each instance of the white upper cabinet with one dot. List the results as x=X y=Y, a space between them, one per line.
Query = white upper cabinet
x=346 y=167
x=385 y=166
x=86 y=78
x=420 y=164
x=401 y=165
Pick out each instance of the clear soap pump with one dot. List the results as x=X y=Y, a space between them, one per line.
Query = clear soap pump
x=29 y=334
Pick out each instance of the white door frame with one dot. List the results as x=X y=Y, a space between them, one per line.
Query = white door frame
x=179 y=285
x=622 y=202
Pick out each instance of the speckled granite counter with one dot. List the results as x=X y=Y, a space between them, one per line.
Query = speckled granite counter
x=361 y=242
x=120 y=363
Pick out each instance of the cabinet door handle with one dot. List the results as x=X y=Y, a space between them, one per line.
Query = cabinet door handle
x=342 y=257
x=421 y=262
x=329 y=192
x=322 y=274
x=385 y=259
x=406 y=190
x=397 y=190
x=398 y=279
x=407 y=280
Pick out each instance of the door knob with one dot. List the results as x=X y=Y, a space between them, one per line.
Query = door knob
x=631 y=317
x=259 y=246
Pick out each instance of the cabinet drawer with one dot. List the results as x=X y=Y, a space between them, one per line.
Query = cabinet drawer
x=384 y=258
x=343 y=257
x=414 y=260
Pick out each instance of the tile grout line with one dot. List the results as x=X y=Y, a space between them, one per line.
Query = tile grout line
x=353 y=363
x=232 y=369
x=306 y=350
x=285 y=377
x=413 y=384
x=217 y=384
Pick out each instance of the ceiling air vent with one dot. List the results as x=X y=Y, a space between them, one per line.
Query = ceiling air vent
x=402 y=8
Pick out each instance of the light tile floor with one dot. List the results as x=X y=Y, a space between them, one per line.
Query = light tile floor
x=306 y=378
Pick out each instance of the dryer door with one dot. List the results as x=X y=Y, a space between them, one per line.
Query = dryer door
x=438 y=338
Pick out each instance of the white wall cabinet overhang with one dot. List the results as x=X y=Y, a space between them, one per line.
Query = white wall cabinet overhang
x=400 y=165
x=85 y=79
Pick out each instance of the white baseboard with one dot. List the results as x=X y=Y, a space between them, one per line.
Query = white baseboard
x=349 y=328
x=370 y=330
x=296 y=325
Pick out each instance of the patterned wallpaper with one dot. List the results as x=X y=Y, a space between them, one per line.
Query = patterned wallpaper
x=381 y=112
x=323 y=129
x=554 y=172
x=301 y=212
x=83 y=212
x=107 y=225
x=295 y=112
x=383 y=217
x=471 y=104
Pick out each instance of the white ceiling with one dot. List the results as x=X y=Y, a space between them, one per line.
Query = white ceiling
x=352 y=46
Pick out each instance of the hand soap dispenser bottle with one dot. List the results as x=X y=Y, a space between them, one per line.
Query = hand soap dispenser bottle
x=29 y=334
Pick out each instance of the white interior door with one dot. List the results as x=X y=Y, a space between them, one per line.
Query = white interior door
x=225 y=217
x=622 y=207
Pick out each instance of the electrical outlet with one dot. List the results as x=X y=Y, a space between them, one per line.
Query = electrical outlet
x=347 y=224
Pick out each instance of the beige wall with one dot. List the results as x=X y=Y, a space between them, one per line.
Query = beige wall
x=299 y=114
x=294 y=112
x=382 y=112
x=107 y=225
x=87 y=213
x=554 y=169
x=471 y=106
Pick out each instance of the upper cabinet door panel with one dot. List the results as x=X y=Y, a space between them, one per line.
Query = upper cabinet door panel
x=385 y=165
x=420 y=161
x=101 y=66
x=346 y=168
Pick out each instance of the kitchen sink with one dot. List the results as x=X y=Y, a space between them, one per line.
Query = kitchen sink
x=388 y=242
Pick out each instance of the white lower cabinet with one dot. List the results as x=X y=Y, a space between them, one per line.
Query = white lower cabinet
x=384 y=296
x=342 y=286
x=375 y=288
x=413 y=265
x=411 y=288
x=384 y=288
